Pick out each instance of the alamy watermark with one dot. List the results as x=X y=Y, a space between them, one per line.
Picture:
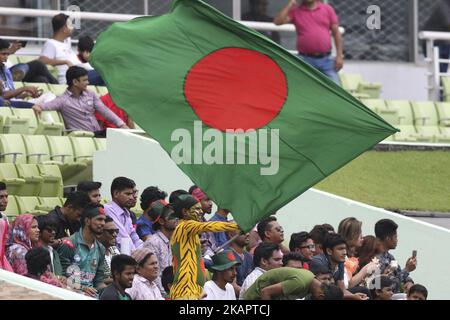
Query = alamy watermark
x=234 y=147
x=373 y=22
x=74 y=12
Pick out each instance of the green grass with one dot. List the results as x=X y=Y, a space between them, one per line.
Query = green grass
x=407 y=180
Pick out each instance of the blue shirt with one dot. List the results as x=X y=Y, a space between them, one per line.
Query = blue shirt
x=144 y=227
x=322 y=259
x=245 y=267
x=7 y=78
x=219 y=237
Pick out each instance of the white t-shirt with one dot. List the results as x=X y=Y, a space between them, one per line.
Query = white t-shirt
x=54 y=49
x=215 y=293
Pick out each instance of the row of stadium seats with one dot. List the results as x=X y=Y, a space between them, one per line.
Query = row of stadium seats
x=418 y=121
x=25 y=179
x=59 y=89
x=73 y=155
x=32 y=205
x=354 y=83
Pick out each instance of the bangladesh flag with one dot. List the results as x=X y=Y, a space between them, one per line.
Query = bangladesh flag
x=248 y=122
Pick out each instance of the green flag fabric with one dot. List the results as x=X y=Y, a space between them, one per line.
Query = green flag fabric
x=251 y=124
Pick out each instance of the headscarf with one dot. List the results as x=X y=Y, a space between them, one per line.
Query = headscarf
x=4 y=264
x=20 y=229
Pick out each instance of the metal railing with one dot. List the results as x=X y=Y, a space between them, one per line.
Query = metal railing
x=433 y=61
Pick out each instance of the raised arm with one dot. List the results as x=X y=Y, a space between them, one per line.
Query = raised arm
x=213 y=226
x=283 y=16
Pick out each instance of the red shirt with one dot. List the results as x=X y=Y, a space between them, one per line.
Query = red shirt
x=313 y=27
x=107 y=101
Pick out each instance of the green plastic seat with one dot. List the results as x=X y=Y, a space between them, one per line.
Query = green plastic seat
x=18 y=84
x=58 y=89
x=10 y=123
x=374 y=104
x=12 y=210
x=49 y=203
x=12 y=148
x=53 y=182
x=13 y=59
x=100 y=143
x=29 y=114
x=10 y=176
x=50 y=124
x=93 y=89
x=26 y=59
x=30 y=205
x=427 y=121
x=37 y=149
x=445 y=80
x=404 y=111
x=84 y=149
x=350 y=81
x=40 y=85
x=443 y=109
x=102 y=90
x=33 y=179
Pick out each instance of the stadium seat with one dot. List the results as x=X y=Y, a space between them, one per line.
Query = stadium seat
x=12 y=148
x=58 y=89
x=49 y=203
x=102 y=90
x=9 y=175
x=443 y=109
x=404 y=122
x=13 y=59
x=33 y=179
x=53 y=181
x=26 y=59
x=18 y=84
x=93 y=89
x=84 y=149
x=30 y=205
x=446 y=87
x=9 y=123
x=355 y=84
x=12 y=210
x=100 y=143
x=50 y=124
x=40 y=85
x=426 y=121
x=374 y=104
x=29 y=114
x=79 y=133
x=37 y=149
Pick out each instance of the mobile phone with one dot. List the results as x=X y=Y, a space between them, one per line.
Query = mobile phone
x=414 y=253
x=23 y=43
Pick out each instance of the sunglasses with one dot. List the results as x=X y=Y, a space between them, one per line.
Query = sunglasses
x=112 y=231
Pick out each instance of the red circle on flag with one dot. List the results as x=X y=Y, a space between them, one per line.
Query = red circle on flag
x=235 y=88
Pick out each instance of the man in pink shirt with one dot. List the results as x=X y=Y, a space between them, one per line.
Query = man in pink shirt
x=313 y=21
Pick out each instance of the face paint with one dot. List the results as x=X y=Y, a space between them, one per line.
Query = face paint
x=195 y=212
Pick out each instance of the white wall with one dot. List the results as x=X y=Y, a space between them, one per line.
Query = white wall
x=143 y=160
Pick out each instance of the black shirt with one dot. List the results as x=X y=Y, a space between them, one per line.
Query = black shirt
x=61 y=223
x=112 y=293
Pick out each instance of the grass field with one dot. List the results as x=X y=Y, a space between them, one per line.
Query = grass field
x=406 y=180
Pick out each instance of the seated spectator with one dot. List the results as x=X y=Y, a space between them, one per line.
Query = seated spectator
x=144 y=223
x=185 y=245
x=8 y=94
x=285 y=283
x=124 y=195
x=123 y=268
x=386 y=233
x=269 y=230
x=302 y=244
x=318 y=235
x=38 y=262
x=167 y=280
x=164 y=224
x=4 y=227
x=67 y=217
x=267 y=256
x=223 y=268
x=258 y=12
x=108 y=240
x=329 y=292
x=85 y=46
x=335 y=251
x=368 y=251
x=77 y=105
x=381 y=288
x=92 y=188
x=144 y=286
x=33 y=71
x=58 y=50
x=3 y=202
x=293 y=260
x=23 y=236
x=109 y=103
x=322 y=273
x=83 y=253
x=237 y=247
x=47 y=229
x=417 y=292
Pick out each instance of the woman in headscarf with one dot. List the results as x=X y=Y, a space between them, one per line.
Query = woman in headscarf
x=4 y=264
x=23 y=236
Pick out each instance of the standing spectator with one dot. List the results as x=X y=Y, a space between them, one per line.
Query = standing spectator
x=220 y=238
x=85 y=46
x=417 y=292
x=124 y=195
x=267 y=256
x=67 y=217
x=382 y=288
x=108 y=240
x=223 y=269
x=47 y=229
x=109 y=103
x=83 y=252
x=386 y=233
x=144 y=286
x=269 y=230
x=123 y=268
x=237 y=247
x=167 y=281
x=164 y=223
x=293 y=260
x=3 y=201
x=92 y=188
x=4 y=263
x=78 y=105
x=38 y=263
x=258 y=12
x=284 y=283
x=313 y=21
x=23 y=236
x=188 y=263
x=302 y=244
x=144 y=223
